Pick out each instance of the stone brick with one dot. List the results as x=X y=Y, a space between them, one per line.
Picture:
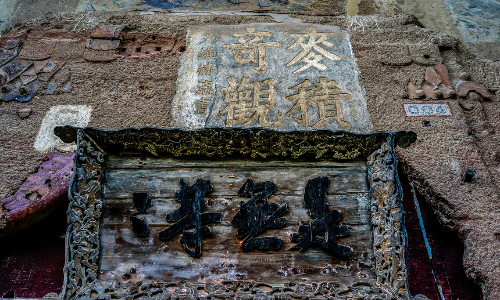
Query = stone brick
x=99 y=56
x=425 y=54
x=37 y=49
x=69 y=50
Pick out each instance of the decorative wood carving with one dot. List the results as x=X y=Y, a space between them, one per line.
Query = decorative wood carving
x=82 y=238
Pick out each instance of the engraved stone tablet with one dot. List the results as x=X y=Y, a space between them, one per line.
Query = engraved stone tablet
x=278 y=76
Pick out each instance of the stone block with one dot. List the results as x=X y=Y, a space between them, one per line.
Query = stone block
x=69 y=50
x=394 y=55
x=99 y=56
x=267 y=75
x=37 y=49
x=425 y=54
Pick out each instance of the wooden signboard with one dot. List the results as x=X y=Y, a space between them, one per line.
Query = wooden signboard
x=235 y=213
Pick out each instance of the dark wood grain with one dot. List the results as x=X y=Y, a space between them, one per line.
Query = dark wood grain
x=162 y=182
x=354 y=208
x=122 y=250
x=125 y=256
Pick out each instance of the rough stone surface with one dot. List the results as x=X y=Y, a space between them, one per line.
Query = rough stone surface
x=444 y=149
x=127 y=87
x=477 y=20
x=42 y=194
x=472 y=20
x=138 y=92
x=3 y=217
x=98 y=56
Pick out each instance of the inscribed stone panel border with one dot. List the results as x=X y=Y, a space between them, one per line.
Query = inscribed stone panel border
x=82 y=237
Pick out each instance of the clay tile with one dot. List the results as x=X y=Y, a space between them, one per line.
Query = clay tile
x=23 y=111
x=468 y=86
x=432 y=77
x=9 y=44
x=444 y=74
x=104 y=32
x=414 y=92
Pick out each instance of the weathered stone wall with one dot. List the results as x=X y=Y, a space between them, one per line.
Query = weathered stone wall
x=446 y=147
x=473 y=21
x=134 y=84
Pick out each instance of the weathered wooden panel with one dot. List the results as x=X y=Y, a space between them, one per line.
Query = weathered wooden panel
x=162 y=182
x=125 y=256
x=222 y=258
x=133 y=161
x=354 y=209
x=375 y=264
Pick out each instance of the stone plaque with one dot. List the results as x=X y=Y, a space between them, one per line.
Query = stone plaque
x=235 y=213
x=278 y=76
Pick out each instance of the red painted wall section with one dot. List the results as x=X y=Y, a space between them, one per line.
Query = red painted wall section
x=420 y=279
x=445 y=270
x=32 y=260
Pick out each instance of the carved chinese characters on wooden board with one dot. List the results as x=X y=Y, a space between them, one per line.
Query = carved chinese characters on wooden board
x=234 y=220
x=257 y=214
x=235 y=213
x=253 y=217
x=190 y=215
x=275 y=76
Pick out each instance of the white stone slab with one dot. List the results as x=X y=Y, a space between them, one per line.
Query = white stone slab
x=60 y=115
x=287 y=76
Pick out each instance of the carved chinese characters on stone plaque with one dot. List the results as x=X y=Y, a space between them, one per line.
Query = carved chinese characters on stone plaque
x=276 y=76
x=247 y=102
x=315 y=40
x=251 y=48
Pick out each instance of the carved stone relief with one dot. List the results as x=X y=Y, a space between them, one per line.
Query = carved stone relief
x=439 y=83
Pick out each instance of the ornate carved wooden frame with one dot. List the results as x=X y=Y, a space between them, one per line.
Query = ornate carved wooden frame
x=82 y=237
